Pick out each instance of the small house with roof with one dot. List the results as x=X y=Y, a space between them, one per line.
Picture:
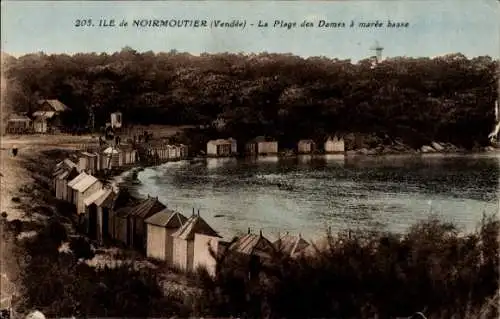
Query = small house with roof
x=18 y=124
x=129 y=155
x=61 y=181
x=98 y=207
x=192 y=243
x=291 y=245
x=306 y=146
x=48 y=116
x=85 y=186
x=120 y=226
x=253 y=245
x=136 y=229
x=111 y=157
x=70 y=193
x=60 y=168
x=221 y=147
x=116 y=120
x=334 y=144
x=262 y=146
x=159 y=230
x=89 y=162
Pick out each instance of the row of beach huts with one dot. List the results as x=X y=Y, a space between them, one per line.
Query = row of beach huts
x=264 y=146
x=148 y=225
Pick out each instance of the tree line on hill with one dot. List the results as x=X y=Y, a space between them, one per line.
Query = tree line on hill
x=417 y=100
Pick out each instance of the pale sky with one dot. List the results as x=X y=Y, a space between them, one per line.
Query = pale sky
x=471 y=27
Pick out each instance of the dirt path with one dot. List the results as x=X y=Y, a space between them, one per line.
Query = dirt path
x=13 y=176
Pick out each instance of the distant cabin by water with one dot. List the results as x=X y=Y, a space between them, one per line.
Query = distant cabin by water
x=262 y=146
x=222 y=147
x=335 y=144
x=306 y=146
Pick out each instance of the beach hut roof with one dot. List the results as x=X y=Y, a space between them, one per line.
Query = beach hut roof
x=84 y=183
x=123 y=212
x=111 y=150
x=66 y=163
x=14 y=117
x=167 y=218
x=307 y=141
x=147 y=207
x=68 y=173
x=252 y=244
x=89 y=200
x=62 y=174
x=78 y=178
x=106 y=199
x=195 y=225
x=291 y=245
x=89 y=154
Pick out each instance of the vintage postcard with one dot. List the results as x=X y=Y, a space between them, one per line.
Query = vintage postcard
x=250 y=159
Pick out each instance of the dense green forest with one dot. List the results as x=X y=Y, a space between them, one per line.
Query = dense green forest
x=417 y=100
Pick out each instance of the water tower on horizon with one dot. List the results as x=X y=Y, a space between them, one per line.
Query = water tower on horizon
x=378 y=52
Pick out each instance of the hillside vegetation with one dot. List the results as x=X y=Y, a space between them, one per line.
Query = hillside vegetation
x=415 y=100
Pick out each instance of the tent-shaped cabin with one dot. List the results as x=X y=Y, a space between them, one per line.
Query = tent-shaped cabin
x=290 y=245
x=191 y=245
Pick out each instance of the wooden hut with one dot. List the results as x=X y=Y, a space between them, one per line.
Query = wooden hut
x=334 y=145
x=111 y=157
x=160 y=228
x=89 y=162
x=262 y=146
x=70 y=193
x=61 y=182
x=62 y=167
x=221 y=148
x=306 y=146
x=191 y=245
x=253 y=245
x=98 y=208
x=82 y=189
x=128 y=155
x=172 y=152
x=290 y=245
x=121 y=225
x=48 y=116
x=136 y=219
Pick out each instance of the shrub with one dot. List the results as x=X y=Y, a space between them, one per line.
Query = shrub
x=81 y=248
x=432 y=268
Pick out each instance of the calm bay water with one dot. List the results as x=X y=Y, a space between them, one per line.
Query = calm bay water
x=306 y=195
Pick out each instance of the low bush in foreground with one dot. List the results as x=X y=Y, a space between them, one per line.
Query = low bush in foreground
x=432 y=269
x=60 y=284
